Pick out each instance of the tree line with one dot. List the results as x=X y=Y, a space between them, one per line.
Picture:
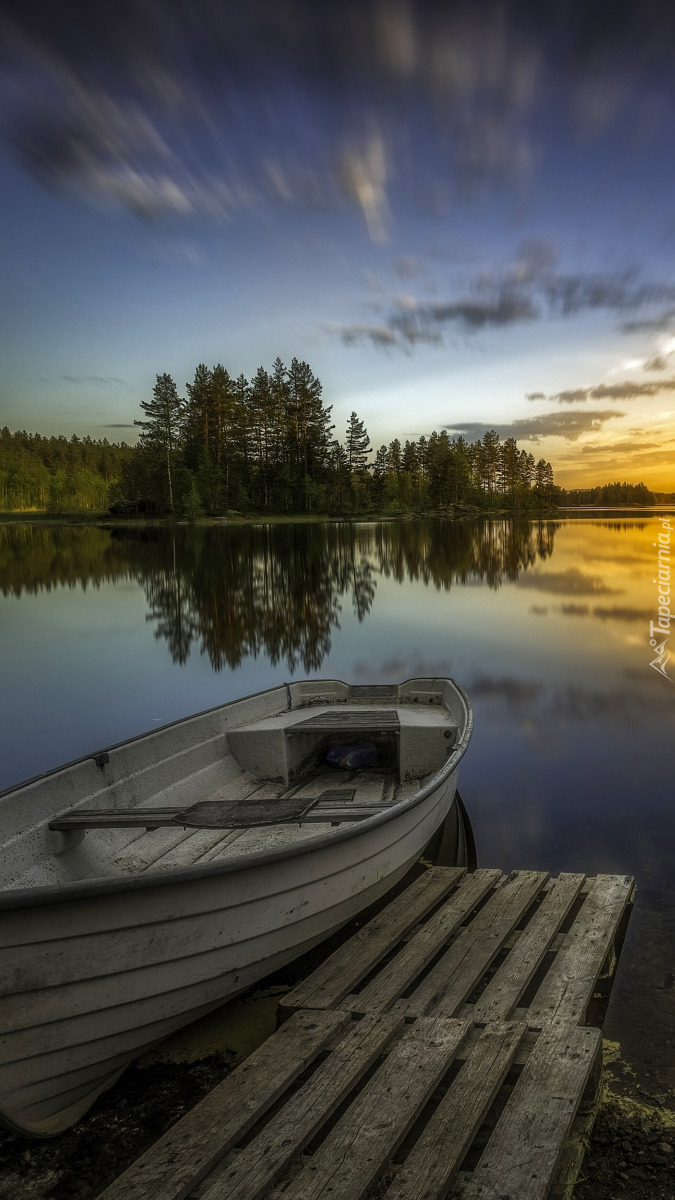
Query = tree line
x=610 y=494
x=266 y=445
x=58 y=474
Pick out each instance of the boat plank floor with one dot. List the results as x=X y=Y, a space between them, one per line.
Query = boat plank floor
x=410 y=1106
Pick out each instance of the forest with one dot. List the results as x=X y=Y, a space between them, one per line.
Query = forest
x=610 y=494
x=264 y=445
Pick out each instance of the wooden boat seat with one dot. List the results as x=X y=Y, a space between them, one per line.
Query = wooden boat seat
x=333 y=805
x=371 y=720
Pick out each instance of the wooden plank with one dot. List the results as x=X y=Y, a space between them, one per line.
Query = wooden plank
x=530 y=1135
x=265 y=1158
x=171 y=1168
x=398 y=974
x=456 y=974
x=367 y=1135
x=442 y=1145
x=370 y=721
x=504 y=990
x=116 y=818
x=348 y=965
x=568 y=987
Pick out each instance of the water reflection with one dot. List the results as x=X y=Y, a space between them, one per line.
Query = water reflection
x=232 y=592
x=545 y=624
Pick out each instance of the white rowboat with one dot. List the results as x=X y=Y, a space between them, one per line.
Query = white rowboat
x=144 y=885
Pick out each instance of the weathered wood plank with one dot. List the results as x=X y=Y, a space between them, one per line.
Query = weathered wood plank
x=504 y=990
x=366 y=1136
x=191 y=1148
x=438 y=1152
x=568 y=987
x=530 y=1135
x=344 y=969
x=456 y=974
x=370 y=720
x=397 y=975
x=261 y=1163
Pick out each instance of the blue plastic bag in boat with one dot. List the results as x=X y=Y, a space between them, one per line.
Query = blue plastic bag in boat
x=351 y=758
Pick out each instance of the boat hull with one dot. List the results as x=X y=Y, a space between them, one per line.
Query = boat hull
x=90 y=981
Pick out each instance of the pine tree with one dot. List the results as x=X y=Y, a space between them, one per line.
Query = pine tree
x=162 y=430
x=357 y=444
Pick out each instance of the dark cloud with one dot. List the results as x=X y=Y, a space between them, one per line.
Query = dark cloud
x=175 y=108
x=574 y=396
x=658 y=324
x=629 y=390
x=626 y=390
x=508 y=307
x=356 y=335
x=568 y=425
x=100 y=380
x=571 y=582
x=659 y=363
x=119 y=425
x=571 y=294
x=528 y=289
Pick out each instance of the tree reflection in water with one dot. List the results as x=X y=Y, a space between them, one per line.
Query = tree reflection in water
x=239 y=591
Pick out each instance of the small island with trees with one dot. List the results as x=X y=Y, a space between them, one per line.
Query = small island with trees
x=235 y=446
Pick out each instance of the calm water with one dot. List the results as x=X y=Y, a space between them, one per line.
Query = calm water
x=107 y=633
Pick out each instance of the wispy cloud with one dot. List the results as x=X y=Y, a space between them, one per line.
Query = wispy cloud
x=568 y=425
x=526 y=289
x=627 y=390
x=172 y=113
x=98 y=380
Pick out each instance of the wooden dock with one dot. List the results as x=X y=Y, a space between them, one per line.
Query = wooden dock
x=449 y=1048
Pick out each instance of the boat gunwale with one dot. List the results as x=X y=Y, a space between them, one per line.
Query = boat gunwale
x=82 y=889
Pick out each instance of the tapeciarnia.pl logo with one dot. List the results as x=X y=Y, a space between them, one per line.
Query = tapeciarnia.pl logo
x=661 y=626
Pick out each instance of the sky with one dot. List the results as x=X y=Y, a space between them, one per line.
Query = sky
x=461 y=215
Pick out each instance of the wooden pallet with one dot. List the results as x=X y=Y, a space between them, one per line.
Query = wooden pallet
x=482 y=946
x=438 y=1052
x=331 y=1106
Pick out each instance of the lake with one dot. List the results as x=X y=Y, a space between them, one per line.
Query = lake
x=109 y=632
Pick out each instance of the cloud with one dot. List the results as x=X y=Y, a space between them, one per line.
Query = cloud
x=508 y=307
x=99 y=380
x=627 y=390
x=529 y=288
x=172 y=110
x=659 y=363
x=119 y=425
x=568 y=425
x=617 y=291
x=571 y=582
x=356 y=335
x=363 y=174
x=407 y=266
x=656 y=324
